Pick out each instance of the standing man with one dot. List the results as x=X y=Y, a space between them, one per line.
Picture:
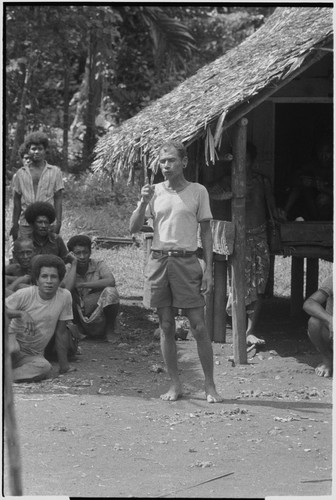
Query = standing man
x=36 y=181
x=173 y=276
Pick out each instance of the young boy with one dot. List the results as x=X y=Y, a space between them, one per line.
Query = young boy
x=37 y=180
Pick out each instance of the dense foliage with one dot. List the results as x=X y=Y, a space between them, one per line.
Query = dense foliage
x=76 y=70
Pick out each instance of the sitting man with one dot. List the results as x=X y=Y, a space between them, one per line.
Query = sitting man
x=320 y=325
x=95 y=297
x=18 y=274
x=40 y=215
x=37 y=313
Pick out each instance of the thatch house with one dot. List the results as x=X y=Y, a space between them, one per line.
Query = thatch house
x=280 y=79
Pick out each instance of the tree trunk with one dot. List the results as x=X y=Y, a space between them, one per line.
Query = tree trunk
x=94 y=91
x=21 y=119
x=66 y=114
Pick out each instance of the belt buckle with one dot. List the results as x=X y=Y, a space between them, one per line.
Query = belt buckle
x=170 y=253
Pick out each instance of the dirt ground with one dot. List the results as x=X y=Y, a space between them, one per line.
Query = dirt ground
x=102 y=431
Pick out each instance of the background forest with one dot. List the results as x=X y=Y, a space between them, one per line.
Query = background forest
x=76 y=71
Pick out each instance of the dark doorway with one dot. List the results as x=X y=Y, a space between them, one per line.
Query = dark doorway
x=298 y=128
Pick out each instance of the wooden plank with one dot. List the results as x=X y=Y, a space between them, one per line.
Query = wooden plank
x=296 y=286
x=209 y=314
x=312 y=272
x=220 y=289
x=238 y=256
x=12 y=436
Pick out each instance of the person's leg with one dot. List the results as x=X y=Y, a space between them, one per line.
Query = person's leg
x=204 y=349
x=29 y=368
x=320 y=337
x=110 y=313
x=253 y=314
x=169 y=353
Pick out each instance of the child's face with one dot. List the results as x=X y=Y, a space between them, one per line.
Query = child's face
x=26 y=160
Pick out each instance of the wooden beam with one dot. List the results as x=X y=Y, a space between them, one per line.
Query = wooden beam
x=312 y=272
x=297 y=286
x=209 y=314
x=220 y=281
x=238 y=256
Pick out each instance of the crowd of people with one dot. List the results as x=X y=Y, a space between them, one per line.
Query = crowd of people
x=56 y=293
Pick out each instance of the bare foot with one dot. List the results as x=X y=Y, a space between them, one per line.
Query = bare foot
x=253 y=340
x=212 y=396
x=173 y=394
x=324 y=370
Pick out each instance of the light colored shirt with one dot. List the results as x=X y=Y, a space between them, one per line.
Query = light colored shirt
x=45 y=314
x=327 y=288
x=176 y=216
x=97 y=270
x=49 y=183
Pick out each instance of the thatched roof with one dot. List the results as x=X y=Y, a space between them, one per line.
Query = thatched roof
x=209 y=101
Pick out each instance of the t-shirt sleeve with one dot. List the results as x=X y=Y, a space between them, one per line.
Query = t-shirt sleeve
x=66 y=313
x=104 y=270
x=204 y=211
x=17 y=183
x=59 y=184
x=16 y=300
x=327 y=286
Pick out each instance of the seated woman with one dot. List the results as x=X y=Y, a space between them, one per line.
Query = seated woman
x=95 y=297
x=40 y=215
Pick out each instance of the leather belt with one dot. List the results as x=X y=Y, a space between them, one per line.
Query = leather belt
x=175 y=253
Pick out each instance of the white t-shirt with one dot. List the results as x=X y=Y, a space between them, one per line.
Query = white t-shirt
x=176 y=216
x=45 y=314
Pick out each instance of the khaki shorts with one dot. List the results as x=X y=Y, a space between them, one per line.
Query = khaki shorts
x=173 y=281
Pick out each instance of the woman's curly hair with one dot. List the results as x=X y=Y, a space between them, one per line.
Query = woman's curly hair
x=40 y=208
x=47 y=260
x=80 y=239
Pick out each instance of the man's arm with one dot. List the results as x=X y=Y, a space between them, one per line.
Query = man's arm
x=314 y=306
x=62 y=345
x=58 y=198
x=16 y=215
x=206 y=238
x=138 y=216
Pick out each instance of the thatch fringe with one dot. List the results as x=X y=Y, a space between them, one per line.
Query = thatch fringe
x=204 y=104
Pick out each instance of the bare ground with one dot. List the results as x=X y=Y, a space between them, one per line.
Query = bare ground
x=102 y=431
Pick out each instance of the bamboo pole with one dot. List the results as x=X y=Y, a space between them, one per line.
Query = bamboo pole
x=238 y=256
x=15 y=482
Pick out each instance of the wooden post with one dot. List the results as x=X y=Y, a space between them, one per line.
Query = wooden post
x=269 y=291
x=312 y=272
x=238 y=256
x=220 y=280
x=209 y=314
x=297 y=286
x=15 y=480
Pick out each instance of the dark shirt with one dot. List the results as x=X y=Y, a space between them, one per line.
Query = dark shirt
x=53 y=245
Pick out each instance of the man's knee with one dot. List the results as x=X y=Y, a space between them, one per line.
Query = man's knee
x=314 y=326
x=34 y=370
